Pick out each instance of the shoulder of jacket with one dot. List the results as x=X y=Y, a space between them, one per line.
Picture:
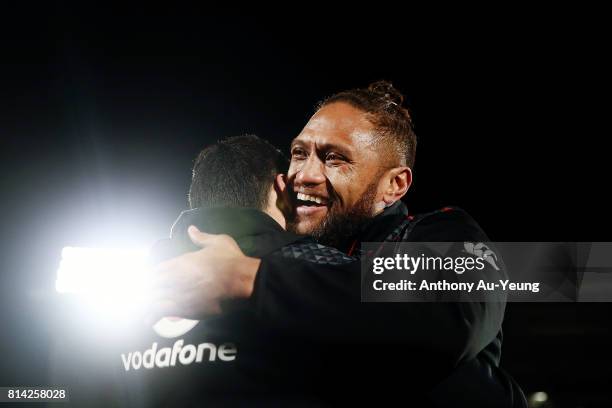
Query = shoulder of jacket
x=449 y=223
x=310 y=251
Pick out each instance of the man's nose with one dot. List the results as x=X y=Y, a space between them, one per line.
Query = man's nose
x=311 y=173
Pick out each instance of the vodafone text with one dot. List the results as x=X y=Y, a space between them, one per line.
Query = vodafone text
x=178 y=353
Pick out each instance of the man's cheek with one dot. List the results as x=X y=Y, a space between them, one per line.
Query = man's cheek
x=292 y=171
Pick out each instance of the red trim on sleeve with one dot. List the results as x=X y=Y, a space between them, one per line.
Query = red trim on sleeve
x=350 y=252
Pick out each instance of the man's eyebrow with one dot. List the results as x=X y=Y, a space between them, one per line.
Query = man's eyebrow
x=323 y=146
x=297 y=142
x=335 y=147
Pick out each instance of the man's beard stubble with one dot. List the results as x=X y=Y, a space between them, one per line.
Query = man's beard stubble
x=338 y=229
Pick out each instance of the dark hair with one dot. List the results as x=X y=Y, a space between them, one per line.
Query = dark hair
x=235 y=172
x=383 y=105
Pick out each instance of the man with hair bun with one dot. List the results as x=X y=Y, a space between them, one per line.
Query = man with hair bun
x=349 y=169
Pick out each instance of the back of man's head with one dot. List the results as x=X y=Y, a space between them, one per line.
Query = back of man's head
x=236 y=172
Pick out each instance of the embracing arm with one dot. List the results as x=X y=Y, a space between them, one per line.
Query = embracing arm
x=318 y=301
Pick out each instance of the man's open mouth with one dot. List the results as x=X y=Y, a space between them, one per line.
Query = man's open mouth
x=307 y=204
x=310 y=200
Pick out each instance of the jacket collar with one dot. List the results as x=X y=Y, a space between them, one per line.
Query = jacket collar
x=379 y=227
x=255 y=232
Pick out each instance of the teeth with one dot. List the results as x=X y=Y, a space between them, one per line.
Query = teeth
x=306 y=197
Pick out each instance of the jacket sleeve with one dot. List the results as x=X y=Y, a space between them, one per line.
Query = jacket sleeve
x=482 y=318
x=323 y=302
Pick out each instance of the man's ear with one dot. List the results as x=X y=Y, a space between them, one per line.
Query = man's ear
x=398 y=182
x=282 y=193
x=280 y=183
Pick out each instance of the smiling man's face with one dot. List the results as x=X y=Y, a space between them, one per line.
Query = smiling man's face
x=335 y=170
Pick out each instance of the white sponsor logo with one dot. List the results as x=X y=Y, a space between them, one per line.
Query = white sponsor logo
x=178 y=354
x=482 y=251
x=170 y=327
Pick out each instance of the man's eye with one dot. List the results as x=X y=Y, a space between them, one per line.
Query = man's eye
x=334 y=158
x=298 y=154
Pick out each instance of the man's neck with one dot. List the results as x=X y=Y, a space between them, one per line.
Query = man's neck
x=276 y=215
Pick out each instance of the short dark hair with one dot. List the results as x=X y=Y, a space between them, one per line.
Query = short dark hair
x=236 y=172
x=383 y=105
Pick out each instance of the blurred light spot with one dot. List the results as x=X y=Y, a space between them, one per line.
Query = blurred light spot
x=540 y=396
x=538 y=400
x=109 y=282
x=97 y=270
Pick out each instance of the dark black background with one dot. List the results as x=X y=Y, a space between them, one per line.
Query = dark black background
x=102 y=112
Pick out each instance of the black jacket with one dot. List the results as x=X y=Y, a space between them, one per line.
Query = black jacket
x=252 y=373
x=304 y=337
x=438 y=354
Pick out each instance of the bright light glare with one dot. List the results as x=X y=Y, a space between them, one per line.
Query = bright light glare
x=111 y=281
x=540 y=396
x=538 y=399
x=97 y=270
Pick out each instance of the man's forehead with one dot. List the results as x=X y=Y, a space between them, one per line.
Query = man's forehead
x=338 y=124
